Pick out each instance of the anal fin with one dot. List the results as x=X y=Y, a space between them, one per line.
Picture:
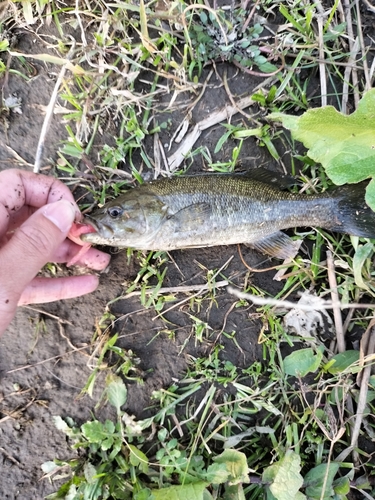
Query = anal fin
x=277 y=245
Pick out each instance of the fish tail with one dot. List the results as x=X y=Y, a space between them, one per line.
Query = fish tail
x=352 y=214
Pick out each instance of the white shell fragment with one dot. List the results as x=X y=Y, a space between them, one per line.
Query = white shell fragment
x=309 y=324
x=14 y=103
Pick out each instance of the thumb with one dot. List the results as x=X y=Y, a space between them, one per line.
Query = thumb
x=30 y=248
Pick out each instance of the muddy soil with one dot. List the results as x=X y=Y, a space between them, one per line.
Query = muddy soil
x=45 y=355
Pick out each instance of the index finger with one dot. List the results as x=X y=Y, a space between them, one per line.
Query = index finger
x=20 y=187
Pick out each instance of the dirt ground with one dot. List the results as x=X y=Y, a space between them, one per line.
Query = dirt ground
x=43 y=360
x=45 y=354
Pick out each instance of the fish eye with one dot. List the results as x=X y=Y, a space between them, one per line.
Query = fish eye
x=115 y=212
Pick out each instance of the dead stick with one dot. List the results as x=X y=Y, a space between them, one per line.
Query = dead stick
x=354 y=48
x=261 y=301
x=322 y=66
x=363 y=48
x=362 y=400
x=335 y=303
x=177 y=289
x=49 y=113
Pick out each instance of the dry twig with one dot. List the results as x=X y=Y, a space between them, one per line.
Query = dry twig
x=261 y=301
x=350 y=70
x=216 y=117
x=49 y=112
x=177 y=289
x=322 y=66
x=363 y=48
x=369 y=336
x=335 y=303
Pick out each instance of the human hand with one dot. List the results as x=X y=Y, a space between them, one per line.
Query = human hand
x=36 y=213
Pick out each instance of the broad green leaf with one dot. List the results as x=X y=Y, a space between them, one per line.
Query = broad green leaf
x=138 y=458
x=186 y=492
x=267 y=67
x=89 y=472
x=370 y=194
x=362 y=253
x=4 y=44
x=117 y=392
x=95 y=431
x=315 y=478
x=343 y=144
x=236 y=464
x=234 y=492
x=341 y=486
x=217 y=474
x=109 y=426
x=107 y=443
x=300 y=363
x=207 y=495
x=144 y=494
x=72 y=493
x=342 y=361
x=284 y=479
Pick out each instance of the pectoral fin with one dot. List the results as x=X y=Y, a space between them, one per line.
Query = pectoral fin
x=277 y=245
x=190 y=217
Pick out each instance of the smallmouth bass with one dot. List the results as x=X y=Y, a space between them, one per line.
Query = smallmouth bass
x=224 y=209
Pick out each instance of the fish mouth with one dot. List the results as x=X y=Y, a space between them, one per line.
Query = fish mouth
x=102 y=233
x=91 y=222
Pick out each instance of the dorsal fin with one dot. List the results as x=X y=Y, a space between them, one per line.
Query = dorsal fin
x=262 y=174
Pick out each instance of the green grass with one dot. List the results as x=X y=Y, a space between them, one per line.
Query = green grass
x=221 y=431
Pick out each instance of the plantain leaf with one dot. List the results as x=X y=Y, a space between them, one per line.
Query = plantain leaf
x=341 y=362
x=301 y=362
x=321 y=476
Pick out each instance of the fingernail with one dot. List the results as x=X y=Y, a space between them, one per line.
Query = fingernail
x=61 y=213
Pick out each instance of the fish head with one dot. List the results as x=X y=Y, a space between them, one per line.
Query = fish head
x=128 y=221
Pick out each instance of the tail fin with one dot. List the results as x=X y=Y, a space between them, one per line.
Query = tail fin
x=353 y=215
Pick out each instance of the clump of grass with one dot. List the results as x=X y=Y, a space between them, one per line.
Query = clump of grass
x=267 y=417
